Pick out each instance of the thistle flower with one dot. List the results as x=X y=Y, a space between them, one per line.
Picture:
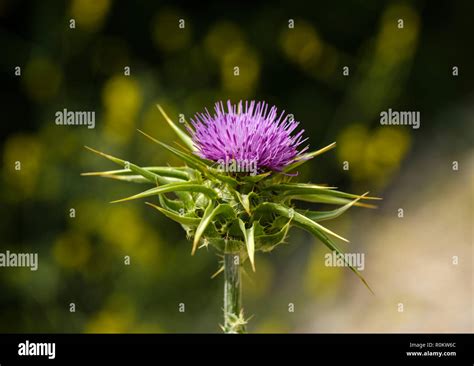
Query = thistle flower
x=254 y=133
x=238 y=214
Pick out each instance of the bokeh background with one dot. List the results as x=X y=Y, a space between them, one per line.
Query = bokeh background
x=409 y=260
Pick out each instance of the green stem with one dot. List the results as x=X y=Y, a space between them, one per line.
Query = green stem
x=233 y=314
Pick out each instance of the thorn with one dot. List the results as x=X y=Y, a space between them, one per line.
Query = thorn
x=205 y=244
x=195 y=244
x=147 y=135
x=220 y=270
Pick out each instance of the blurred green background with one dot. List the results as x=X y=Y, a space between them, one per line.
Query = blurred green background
x=300 y=69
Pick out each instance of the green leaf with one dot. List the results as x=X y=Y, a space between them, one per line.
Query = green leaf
x=181 y=134
x=328 y=242
x=127 y=178
x=255 y=178
x=249 y=241
x=328 y=199
x=207 y=217
x=318 y=194
x=267 y=242
x=183 y=220
x=172 y=187
x=139 y=179
x=297 y=188
x=350 y=195
x=222 y=177
x=189 y=158
x=205 y=167
x=205 y=220
x=329 y=215
x=170 y=172
x=152 y=177
x=297 y=217
x=311 y=226
x=244 y=201
x=305 y=157
x=171 y=205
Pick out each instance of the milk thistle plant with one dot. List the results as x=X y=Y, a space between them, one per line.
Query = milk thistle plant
x=235 y=191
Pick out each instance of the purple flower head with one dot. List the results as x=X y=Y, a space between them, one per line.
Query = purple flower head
x=253 y=133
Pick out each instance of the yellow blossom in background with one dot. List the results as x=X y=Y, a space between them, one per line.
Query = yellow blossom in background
x=72 y=250
x=240 y=71
x=42 y=79
x=302 y=44
x=258 y=289
x=170 y=30
x=127 y=234
x=222 y=38
x=122 y=99
x=117 y=316
x=239 y=63
x=393 y=43
x=321 y=280
x=22 y=160
x=373 y=155
x=89 y=14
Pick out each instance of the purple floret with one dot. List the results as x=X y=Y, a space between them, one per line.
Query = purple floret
x=252 y=132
